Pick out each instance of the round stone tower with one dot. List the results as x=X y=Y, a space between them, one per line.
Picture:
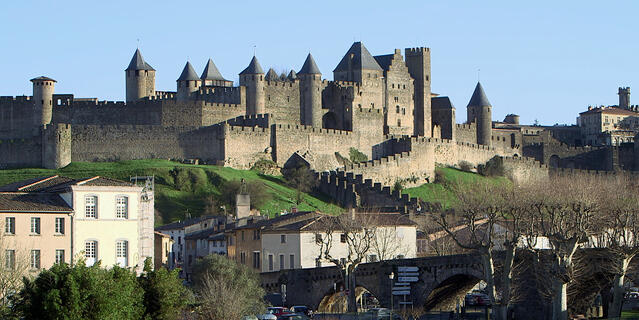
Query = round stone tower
x=43 y=89
x=140 y=78
x=311 y=93
x=253 y=79
x=188 y=83
x=479 y=111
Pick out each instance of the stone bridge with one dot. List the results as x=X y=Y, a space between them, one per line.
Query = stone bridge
x=442 y=281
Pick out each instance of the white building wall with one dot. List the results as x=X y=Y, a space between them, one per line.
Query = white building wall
x=272 y=245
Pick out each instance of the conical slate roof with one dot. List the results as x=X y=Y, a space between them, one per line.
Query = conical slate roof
x=360 y=59
x=138 y=63
x=253 y=67
x=271 y=75
x=211 y=72
x=479 y=97
x=292 y=75
x=309 y=66
x=188 y=73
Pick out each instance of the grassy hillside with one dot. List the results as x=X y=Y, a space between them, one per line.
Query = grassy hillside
x=441 y=190
x=186 y=192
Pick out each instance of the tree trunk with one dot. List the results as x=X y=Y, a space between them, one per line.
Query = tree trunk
x=614 y=308
x=489 y=275
x=560 y=300
x=351 y=298
x=563 y=264
x=504 y=304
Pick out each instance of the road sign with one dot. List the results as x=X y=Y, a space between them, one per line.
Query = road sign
x=408 y=274
x=401 y=293
x=408 y=279
x=405 y=302
x=402 y=284
x=407 y=269
x=401 y=288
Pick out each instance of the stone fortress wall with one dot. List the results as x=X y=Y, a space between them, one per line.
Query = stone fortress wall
x=379 y=105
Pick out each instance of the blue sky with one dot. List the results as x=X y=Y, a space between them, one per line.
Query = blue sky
x=545 y=60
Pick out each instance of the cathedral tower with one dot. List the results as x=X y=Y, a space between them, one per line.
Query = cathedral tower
x=43 y=89
x=479 y=111
x=253 y=79
x=140 y=78
x=310 y=93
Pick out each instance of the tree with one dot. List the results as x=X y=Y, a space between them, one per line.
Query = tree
x=300 y=177
x=14 y=265
x=565 y=216
x=227 y=290
x=81 y=292
x=620 y=232
x=164 y=295
x=358 y=233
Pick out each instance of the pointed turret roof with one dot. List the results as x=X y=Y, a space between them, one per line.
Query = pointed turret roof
x=309 y=66
x=188 y=73
x=479 y=97
x=253 y=67
x=292 y=75
x=211 y=73
x=138 y=63
x=271 y=75
x=359 y=58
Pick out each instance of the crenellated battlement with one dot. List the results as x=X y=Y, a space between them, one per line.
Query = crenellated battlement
x=465 y=126
x=282 y=83
x=16 y=98
x=247 y=130
x=416 y=50
x=310 y=129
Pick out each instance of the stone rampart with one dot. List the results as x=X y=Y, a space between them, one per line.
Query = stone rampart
x=410 y=169
x=224 y=95
x=17 y=117
x=282 y=101
x=126 y=142
x=93 y=112
x=253 y=120
x=21 y=152
x=466 y=132
x=243 y=146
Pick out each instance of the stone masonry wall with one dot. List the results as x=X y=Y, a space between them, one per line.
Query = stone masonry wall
x=16 y=117
x=21 y=152
x=111 y=143
x=466 y=132
x=243 y=146
x=143 y=112
x=282 y=100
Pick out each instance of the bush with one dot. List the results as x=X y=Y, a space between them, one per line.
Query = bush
x=189 y=179
x=465 y=166
x=231 y=188
x=356 y=156
x=265 y=166
x=164 y=295
x=301 y=178
x=493 y=168
x=398 y=186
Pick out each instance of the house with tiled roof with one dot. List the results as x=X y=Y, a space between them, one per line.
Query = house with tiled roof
x=57 y=219
x=608 y=125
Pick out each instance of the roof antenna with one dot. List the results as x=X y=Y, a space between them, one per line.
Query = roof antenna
x=254 y=50
x=138 y=45
x=478 y=75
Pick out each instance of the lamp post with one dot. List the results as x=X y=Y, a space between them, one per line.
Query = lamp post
x=391 y=276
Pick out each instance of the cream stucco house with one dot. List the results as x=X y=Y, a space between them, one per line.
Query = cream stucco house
x=95 y=219
x=296 y=245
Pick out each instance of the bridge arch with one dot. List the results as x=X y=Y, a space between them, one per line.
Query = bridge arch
x=450 y=286
x=335 y=300
x=553 y=161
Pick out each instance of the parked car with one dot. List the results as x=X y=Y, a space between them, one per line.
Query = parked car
x=383 y=314
x=266 y=316
x=477 y=299
x=302 y=309
x=632 y=295
x=293 y=316
x=277 y=311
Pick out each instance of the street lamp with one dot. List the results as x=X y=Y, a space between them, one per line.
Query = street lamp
x=391 y=276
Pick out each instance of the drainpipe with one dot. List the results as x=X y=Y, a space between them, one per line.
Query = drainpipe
x=71 y=224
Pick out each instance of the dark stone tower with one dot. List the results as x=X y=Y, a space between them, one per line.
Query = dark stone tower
x=56 y=145
x=43 y=89
x=253 y=79
x=188 y=83
x=418 y=63
x=624 y=97
x=479 y=112
x=140 y=78
x=310 y=93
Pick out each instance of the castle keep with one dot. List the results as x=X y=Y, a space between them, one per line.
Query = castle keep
x=380 y=105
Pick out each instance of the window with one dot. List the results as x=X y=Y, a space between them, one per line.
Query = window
x=342 y=261
x=35 y=225
x=256 y=259
x=243 y=257
x=59 y=256
x=399 y=122
x=90 y=207
x=281 y=262
x=35 y=259
x=10 y=259
x=122 y=253
x=122 y=207
x=10 y=225
x=270 y=262
x=291 y=262
x=90 y=252
x=242 y=235
x=59 y=225
x=342 y=238
x=318 y=238
x=372 y=258
x=318 y=262
x=283 y=238
x=396 y=109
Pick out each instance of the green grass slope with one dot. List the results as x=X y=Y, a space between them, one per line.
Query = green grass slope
x=441 y=191
x=174 y=199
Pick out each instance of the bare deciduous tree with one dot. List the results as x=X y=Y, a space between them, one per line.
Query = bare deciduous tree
x=14 y=265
